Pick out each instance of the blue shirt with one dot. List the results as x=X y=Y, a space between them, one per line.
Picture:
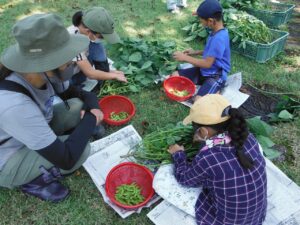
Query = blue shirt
x=231 y=194
x=218 y=46
x=96 y=52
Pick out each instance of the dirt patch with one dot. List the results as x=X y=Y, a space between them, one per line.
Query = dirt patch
x=257 y=104
x=293 y=41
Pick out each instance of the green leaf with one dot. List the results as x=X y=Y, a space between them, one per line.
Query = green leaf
x=190 y=38
x=169 y=44
x=135 y=57
x=171 y=68
x=171 y=141
x=259 y=127
x=177 y=138
x=235 y=39
x=203 y=34
x=284 y=114
x=194 y=27
x=146 y=81
x=244 y=44
x=140 y=76
x=274 y=118
x=133 y=88
x=187 y=28
x=162 y=71
x=271 y=153
x=124 y=57
x=126 y=69
x=265 y=142
x=146 y=65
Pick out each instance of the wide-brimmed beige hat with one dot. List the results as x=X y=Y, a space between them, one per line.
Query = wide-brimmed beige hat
x=43 y=44
x=209 y=110
x=100 y=20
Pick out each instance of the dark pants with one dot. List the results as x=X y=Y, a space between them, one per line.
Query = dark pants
x=209 y=84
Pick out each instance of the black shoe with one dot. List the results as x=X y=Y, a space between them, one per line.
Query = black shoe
x=46 y=186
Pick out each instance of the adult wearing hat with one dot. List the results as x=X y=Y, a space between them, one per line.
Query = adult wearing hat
x=34 y=155
x=211 y=70
x=229 y=165
x=97 y=24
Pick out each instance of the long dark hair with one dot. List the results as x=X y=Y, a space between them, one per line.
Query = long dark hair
x=4 y=72
x=238 y=131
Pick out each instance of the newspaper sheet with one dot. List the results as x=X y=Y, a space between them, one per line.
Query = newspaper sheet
x=105 y=154
x=165 y=214
x=283 y=198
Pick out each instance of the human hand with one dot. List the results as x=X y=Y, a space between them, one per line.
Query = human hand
x=119 y=75
x=175 y=74
x=98 y=114
x=179 y=56
x=197 y=97
x=189 y=51
x=175 y=148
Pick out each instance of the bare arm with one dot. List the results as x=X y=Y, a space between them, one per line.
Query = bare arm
x=193 y=52
x=202 y=63
x=91 y=73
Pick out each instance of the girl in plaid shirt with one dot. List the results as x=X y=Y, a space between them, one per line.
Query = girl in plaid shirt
x=229 y=166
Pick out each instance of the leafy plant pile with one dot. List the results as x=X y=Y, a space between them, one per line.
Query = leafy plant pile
x=154 y=146
x=243 y=4
x=118 y=116
x=129 y=194
x=263 y=132
x=195 y=30
x=242 y=27
x=141 y=61
x=286 y=110
x=250 y=4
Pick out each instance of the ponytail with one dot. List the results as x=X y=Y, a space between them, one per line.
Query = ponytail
x=4 y=72
x=238 y=131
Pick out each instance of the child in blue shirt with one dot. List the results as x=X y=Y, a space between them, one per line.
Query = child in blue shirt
x=211 y=71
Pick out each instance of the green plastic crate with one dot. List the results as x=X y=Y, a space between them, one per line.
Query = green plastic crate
x=263 y=52
x=281 y=14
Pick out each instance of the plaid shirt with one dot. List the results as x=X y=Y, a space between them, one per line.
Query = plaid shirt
x=231 y=194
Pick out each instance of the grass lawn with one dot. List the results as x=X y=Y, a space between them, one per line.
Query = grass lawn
x=148 y=19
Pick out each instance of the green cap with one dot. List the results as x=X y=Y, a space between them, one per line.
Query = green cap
x=43 y=44
x=99 y=20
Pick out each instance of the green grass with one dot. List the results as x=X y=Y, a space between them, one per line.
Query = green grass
x=139 y=18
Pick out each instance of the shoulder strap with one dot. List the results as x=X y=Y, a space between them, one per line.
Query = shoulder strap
x=14 y=86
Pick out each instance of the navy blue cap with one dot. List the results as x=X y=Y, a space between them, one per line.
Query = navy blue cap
x=209 y=8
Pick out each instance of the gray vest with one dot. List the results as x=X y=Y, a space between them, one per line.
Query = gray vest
x=17 y=112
